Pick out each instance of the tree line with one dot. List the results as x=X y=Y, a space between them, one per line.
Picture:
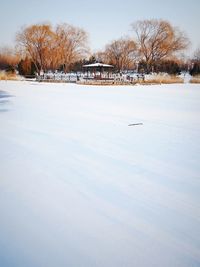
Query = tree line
x=155 y=46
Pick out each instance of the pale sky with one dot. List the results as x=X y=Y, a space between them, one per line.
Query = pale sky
x=104 y=20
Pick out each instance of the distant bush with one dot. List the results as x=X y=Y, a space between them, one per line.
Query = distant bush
x=8 y=59
x=195 y=69
x=168 y=66
x=26 y=67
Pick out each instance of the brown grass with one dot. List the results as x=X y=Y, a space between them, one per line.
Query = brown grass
x=195 y=79
x=8 y=76
x=169 y=79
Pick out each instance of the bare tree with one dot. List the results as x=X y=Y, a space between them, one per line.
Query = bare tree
x=197 y=54
x=36 y=41
x=157 y=40
x=71 y=43
x=121 y=53
x=100 y=56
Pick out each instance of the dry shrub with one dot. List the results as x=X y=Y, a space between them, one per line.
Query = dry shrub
x=195 y=79
x=161 y=79
x=8 y=76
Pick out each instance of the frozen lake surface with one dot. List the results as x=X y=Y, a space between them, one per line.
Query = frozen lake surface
x=79 y=187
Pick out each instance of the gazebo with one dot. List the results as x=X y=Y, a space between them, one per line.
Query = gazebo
x=99 y=71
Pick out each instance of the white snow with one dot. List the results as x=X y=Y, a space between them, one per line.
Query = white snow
x=98 y=64
x=79 y=187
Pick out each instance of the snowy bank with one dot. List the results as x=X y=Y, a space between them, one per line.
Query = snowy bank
x=79 y=187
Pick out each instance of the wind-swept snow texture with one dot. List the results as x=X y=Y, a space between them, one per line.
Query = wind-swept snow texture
x=79 y=187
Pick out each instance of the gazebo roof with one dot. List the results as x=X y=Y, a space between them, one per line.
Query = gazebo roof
x=97 y=65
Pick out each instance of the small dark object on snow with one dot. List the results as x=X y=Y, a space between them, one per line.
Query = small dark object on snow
x=134 y=124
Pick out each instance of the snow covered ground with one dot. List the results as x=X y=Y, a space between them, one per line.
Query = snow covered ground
x=79 y=187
